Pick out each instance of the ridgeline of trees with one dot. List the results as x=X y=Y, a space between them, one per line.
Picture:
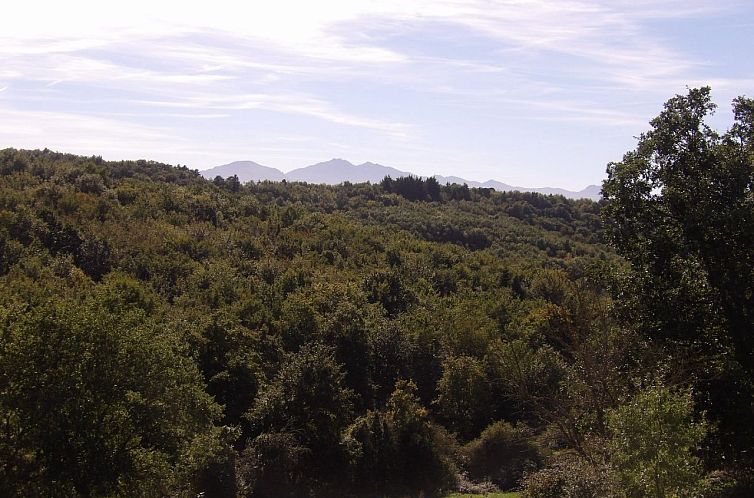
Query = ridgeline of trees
x=164 y=335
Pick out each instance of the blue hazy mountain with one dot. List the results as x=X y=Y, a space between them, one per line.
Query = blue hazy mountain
x=337 y=171
x=246 y=171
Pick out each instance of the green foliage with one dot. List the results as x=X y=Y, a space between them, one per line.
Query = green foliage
x=271 y=465
x=726 y=484
x=300 y=416
x=231 y=359
x=654 y=440
x=502 y=454
x=97 y=402
x=680 y=209
x=413 y=188
x=388 y=289
x=399 y=451
x=525 y=379
x=463 y=396
x=571 y=476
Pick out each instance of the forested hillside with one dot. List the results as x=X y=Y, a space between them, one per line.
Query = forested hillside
x=166 y=335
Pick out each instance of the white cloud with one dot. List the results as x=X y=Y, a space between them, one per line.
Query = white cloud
x=324 y=38
x=114 y=137
x=307 y=27
x=81 y=133
x=284 y=103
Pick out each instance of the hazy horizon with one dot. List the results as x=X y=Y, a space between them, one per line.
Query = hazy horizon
x=523 y=92
x=307 y=166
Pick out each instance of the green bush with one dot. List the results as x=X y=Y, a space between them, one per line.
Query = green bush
x=98 y=403
x=301 y=413
x=270 y=466
x=399 y=451
x=722 y=484
x=571 y=476
x=463 y=396
x=654 y=437
x=501 y=454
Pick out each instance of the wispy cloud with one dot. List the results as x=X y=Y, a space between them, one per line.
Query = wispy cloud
x=284 y=103
x=83 y=133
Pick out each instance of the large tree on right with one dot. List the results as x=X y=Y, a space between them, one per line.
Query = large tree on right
x=680 y=209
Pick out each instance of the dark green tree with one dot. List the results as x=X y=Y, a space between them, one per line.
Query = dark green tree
x=463 y=394
x=308 y=406
x=398 y=451
x=680 y=208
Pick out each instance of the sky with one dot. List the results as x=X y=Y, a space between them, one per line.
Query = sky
x=528 y=92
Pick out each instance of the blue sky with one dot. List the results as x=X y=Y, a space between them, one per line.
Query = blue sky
x=528 y=92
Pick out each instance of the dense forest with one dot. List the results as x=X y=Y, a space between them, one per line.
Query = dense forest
x=166 y=335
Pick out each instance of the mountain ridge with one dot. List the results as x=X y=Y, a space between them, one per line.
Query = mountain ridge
x=337 y=170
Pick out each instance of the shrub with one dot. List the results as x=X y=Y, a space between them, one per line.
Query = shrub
x=654 y=436
x=399 y=451
x=463 y=396
x=571 y=476
x=271 y=466
x=501 y=454
x=308 y=401
x=722 y=484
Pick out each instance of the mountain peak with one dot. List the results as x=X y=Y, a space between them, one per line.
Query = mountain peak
x=335 y=161
x=338 y=170
x=245 y=171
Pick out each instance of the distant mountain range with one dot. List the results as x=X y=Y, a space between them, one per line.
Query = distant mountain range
x=337 y=171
